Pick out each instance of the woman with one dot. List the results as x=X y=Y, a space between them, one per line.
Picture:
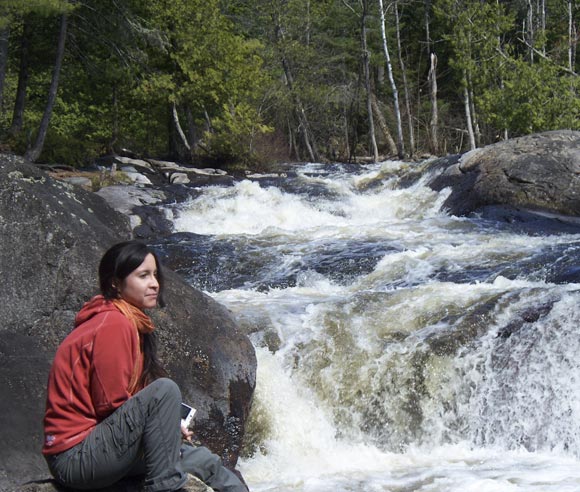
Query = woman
x=111 y=412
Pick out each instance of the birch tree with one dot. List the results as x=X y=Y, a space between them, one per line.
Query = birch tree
x=366 y=60
x=433 y=131
x=396 y=107
x=572 y=36
x=405 y=83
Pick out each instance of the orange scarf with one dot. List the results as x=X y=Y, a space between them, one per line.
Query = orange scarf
x=143 y=324
x=140 y=320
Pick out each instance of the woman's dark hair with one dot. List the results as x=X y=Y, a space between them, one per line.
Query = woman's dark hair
x=119 y=261
x=115 y=266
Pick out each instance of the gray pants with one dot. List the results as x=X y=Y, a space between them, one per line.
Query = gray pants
x=142 y=437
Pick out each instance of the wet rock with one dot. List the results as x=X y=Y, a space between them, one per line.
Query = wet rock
x=525 y=318
x=531 y=222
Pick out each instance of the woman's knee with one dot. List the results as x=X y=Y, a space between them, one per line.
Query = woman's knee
x=200 y=461
x=166 y=388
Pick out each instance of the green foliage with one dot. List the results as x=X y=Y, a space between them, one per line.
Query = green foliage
x=11 y=10
x=246 y=75
x=234 y=133
x=533 y=98
x=474 y=31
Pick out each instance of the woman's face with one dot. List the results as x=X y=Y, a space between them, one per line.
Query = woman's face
x=141 y=287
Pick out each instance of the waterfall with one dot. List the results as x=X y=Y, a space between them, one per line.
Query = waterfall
x=399 y=348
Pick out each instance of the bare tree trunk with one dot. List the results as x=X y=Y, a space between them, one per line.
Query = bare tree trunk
x=366 y=68
x=178 y=127
x=435 y=146
x=114 y=119
x=304 y=126
x=434 y=121
x=542 y=9
x=474 y=118
x=293 y=147
x=208 y=123
x=23 y=75
x=405 y=85
x=33 y=153
x=346 y=135
x=530 y=31
x=571 y=36
x=308 y=23
x=4 y=36
x=501 y=80
x=467 y=105
x=191 y=130
x=384 y=127
x=427 y=26
x=400 y=142
x=506 y=134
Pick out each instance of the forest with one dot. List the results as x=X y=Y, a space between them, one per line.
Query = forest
x=248 y=82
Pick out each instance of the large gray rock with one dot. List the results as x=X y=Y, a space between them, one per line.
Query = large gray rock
x=52 y=235
x=536 y=172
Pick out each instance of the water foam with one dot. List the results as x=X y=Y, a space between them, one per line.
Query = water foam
x=247 y=208
x=397 y=380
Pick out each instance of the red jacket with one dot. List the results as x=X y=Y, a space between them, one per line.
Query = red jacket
x=90 y=374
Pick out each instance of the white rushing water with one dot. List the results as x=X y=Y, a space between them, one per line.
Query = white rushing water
x=399 y=348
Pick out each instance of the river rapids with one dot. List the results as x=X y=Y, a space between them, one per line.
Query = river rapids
x=399 y=348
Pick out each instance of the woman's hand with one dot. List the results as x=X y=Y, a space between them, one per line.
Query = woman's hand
x=186 y=433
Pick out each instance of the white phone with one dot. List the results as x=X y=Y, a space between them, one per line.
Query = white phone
x=187 y=414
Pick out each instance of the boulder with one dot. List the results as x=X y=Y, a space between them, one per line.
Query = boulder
x=52 y=235
x=127 y=485
x=539 y=172
x=125 y=198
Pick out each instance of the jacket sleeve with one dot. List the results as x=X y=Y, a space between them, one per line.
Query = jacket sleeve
x=115 y=350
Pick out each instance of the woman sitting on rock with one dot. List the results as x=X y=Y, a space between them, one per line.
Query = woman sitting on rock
x=111 y=412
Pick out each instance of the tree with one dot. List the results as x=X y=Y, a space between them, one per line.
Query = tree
x=475 y=31
x=23 y=75
x=21 y=11
x=365 y=61
x=211 y=74
x=405 y=82
x=304 y=126
x=366 y=68
x=34 y=152
x=534 y=97
x=397 y=109
x=572 y=37
x=239 y=80
x=4 y=36
x=433 y=133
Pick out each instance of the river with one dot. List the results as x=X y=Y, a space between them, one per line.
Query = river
x=399 y=348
